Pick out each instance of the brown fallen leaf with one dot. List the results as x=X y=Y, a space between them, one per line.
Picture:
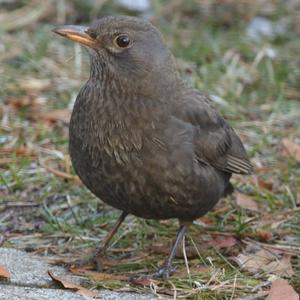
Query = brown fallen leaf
x=222 y=242
x=253 y=262
x=265 y=261
x=263 y=235
x=143 y=281
x=4 y=273
x=281 y=267
x=281 y=290
x=266 y=184
x=292 y=149
x=246 y=202
x=53 y=116
x=72 y=286
x=32 y=100
x=36 y=84
x=206 y=220
x=21 y=151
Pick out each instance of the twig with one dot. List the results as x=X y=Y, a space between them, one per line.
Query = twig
x=186 y=260
x=234 y=285
x=60 y=173
x=292 y=250
x=255 y=297
x=174 y=288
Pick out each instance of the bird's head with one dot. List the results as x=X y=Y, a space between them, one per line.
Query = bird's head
x=127 y=46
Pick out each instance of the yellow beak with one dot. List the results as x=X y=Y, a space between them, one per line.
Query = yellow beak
x=76 y=33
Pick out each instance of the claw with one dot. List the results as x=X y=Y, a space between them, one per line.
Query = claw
x=99 y=260
x=164 y=272
x=94 y=262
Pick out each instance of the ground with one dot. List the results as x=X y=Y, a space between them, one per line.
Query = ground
x=247 y=57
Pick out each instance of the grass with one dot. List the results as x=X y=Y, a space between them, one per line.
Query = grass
x=256 y=84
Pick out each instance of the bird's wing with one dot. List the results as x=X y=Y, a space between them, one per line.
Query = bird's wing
x=215 y=142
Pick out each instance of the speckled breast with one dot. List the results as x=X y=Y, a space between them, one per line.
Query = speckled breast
x=145 y=188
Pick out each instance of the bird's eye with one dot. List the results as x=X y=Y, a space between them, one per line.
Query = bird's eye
x=122 y=40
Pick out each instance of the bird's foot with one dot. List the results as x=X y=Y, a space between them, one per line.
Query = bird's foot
x=95 y=262
x=164 y=272
x=86 y=263
x=99 y=258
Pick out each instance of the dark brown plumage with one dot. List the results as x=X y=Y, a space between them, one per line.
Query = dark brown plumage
x=140 y=138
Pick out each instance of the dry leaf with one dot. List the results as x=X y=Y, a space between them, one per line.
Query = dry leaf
x=281 y=290
x=265 y=261
x=246 y=202
x=143 y=281
x=264 y=236
x=282 y=267
x=222 y=242
x=32 y=100
x=292 y=148
x=72 y=286
x=36 y=84
x=4 y=273
x=266 y=184
x=21 y=151
x=253 y=262
x=206 y=220
x=53 y=116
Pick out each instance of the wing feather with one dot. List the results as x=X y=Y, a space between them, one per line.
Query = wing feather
x=215 y=142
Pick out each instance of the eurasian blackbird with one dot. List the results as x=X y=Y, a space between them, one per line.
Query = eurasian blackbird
x=141 y=139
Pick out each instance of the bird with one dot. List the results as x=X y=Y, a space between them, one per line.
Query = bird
x=143 y=140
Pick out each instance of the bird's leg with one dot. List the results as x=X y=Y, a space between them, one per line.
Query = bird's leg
x=166 y=269
x=101 y=250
